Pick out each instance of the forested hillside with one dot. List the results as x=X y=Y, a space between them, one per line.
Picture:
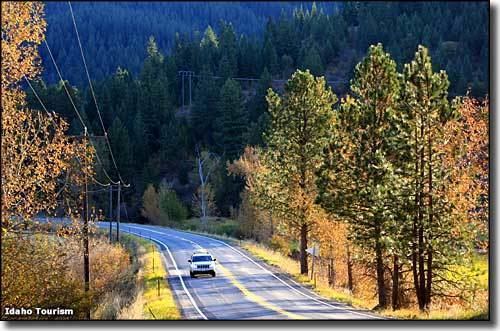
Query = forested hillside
x=114 y=34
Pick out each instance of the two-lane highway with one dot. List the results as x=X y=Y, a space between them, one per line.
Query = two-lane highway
x=244 y=288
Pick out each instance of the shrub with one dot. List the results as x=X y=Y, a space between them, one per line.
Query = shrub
x=280 y=244
x=172 y=209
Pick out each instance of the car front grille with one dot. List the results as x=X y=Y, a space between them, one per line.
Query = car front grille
x=203 y=266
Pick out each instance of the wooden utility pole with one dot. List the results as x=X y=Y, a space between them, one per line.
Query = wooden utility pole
x=86 y=262
x=110 y=213
x=85 y=216
x=118 y=214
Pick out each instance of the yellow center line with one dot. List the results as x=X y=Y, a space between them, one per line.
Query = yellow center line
x=254 y=297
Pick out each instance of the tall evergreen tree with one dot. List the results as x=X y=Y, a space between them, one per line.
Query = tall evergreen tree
x=204 y=111
x=120 y=143
x=357 y=179
x=270 y=57
x=232 y=120
x=140 y=139
x=311 y=60
x=209 y=48
x=154 y=100
x=430 y=227
x=298 y=132
x=228 y=65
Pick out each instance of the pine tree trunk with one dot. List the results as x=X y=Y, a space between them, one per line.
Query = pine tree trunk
x=350 y=284
x=382 y=297
x=421 y=269
x=331 y=269
x=429 y=246
x=395 y=283
x=303 y=246
x=416 y=217
x=421 y=257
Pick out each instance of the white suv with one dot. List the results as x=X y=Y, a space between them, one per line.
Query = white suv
x=201 y=262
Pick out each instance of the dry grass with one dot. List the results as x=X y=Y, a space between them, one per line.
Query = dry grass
x=292 y=267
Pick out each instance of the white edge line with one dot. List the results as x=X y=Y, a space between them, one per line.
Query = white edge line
x=176 y=268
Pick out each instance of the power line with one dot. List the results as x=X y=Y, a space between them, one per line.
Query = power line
x=102 y=164
x=94 y=97
x=50 y=116
x=76 y=110
x=38 y=98
x=85 y=65
x=64 y=84
x=190 y=75
x=98 y=182
x=96 y=153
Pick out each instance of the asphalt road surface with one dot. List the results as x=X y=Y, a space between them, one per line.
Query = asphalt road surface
x=244 y=288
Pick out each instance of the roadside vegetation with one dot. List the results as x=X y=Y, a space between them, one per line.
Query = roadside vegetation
x=151 y=301
x=45 y=269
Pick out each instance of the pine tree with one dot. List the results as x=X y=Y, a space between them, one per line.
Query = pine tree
x=120 y=143
x=228 y=65
x=140 y=139
x=312 y=60
x=298 y=132
x=357 y=180
x=258 y=104
x=270 y=57
x=209 y=48
x=231 y=120
x=426 y=107
x=204 y=111
x=286 y=66
x=154 y=99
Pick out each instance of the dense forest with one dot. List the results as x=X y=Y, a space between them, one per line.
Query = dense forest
x=116 y=32
x=337 y=35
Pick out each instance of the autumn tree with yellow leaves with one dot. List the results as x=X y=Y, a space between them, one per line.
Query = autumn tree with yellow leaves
x=40 y=163
x=42 y=169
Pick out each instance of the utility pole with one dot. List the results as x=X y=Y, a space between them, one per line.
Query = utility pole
x=118 y=214
x=86 y=263
x=110 y=213
x=85 y=216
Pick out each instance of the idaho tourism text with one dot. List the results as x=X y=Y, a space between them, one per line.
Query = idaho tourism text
x=38 y=311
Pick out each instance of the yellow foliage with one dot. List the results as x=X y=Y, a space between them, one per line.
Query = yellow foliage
x=38 y=159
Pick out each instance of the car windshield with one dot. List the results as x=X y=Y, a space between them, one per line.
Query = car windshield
x=202 y=258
